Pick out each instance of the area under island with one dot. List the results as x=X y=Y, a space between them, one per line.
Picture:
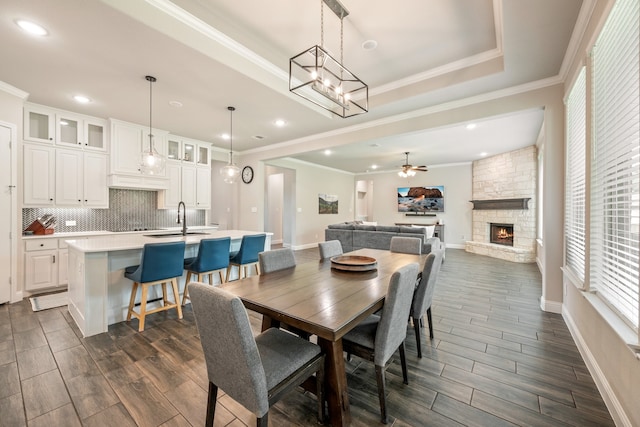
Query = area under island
x=98 y=291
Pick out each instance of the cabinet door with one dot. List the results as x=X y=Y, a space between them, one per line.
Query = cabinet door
x=69 y=188
x=96 y=192
x=95 y=135
x=69 y=130
x=169 y=198
x=39 y=175
x=203 y=156
x=173 y=148
x=39 y=124
x=203 y=188
x=189 y=152
x=63 y=266
x=189 y=186
x=126 y=149
x=41 y=269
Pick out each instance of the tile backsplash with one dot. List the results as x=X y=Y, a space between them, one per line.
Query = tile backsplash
x=128 y=210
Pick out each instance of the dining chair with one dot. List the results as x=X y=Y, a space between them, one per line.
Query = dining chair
x=247 y=255
x=255 y=372
x=161 y=263
x=378 y=337
x=330 y=249
x=213 y=256
x=275 y=260
x=406 y=245
x=423 y=295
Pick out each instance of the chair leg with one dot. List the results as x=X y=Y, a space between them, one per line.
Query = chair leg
x=416 y=328
x=430 y=322
x=229 y=271
x=382 y=393
x=176 y=297
x=320 y=393
x=403 y=363
x=165 y=300
x=185 y=295
x=257 y=268
x=264 y=421
x=143 y=308
x=222 y=278
x=211 y=404
x=211 y=278
x=132 y=300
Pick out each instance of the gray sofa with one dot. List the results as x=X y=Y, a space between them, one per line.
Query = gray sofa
x=357 y=236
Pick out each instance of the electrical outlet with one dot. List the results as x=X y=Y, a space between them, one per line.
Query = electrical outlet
x=71 y=223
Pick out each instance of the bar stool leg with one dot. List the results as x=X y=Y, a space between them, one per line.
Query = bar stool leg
x=176 y=297
x=185 y=295
x=132 y=300
x=143 y=308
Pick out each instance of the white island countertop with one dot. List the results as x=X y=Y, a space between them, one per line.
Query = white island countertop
x=122 y=242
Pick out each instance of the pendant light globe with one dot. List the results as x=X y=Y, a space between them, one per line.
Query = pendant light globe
x=151 y=162
x=230 y=172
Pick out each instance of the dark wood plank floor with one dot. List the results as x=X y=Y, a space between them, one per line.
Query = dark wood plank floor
x=496 y=360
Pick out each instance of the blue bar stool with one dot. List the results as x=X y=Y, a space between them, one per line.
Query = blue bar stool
x=213 y=256
x=160 y=263
x=247 y=255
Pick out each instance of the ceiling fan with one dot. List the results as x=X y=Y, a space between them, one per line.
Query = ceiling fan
x=410 y=170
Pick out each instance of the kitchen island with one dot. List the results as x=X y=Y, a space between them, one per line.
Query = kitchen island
x=98 y=291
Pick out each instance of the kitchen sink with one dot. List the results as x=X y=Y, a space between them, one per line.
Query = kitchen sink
x=174 y=234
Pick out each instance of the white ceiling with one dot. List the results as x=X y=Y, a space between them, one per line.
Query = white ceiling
x=210 y=54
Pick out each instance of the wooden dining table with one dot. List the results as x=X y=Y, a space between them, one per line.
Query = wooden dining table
x=326 y=302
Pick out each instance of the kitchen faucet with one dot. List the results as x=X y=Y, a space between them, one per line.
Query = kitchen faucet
x=184 y=217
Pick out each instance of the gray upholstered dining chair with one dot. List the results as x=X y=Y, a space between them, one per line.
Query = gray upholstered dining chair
x=255 y=372
x=330 y=249
x=406 y=245
x=379 y=336
x=423 y=295
x=277 y=259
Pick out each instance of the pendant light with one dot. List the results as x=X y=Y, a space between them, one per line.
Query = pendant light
x=230 y=172
x=151 y=162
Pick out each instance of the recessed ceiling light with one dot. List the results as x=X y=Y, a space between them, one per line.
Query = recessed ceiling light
x=483 y=154
x=280 y=123
x=327 y=152
x=370 y=45
x=374 y=166
x=175 y=104
x=32 y=27
x=471 y=126
x=81 y=99
x=225 y=136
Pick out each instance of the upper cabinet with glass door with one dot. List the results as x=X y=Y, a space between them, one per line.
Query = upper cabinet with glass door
x=203 y=155
x=43 y=124
x=182 y=150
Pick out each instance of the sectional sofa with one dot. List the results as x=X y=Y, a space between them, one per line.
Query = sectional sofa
x=354 y=236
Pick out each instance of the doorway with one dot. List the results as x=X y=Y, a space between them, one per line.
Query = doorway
x=8 y=259
x=280 y=202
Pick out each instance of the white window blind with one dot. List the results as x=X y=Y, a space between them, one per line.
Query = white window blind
x=615 y=164
x=575 y=186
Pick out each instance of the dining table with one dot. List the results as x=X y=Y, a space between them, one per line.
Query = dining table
x=327 y=299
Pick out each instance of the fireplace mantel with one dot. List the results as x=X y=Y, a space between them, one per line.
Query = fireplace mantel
x=521 y=203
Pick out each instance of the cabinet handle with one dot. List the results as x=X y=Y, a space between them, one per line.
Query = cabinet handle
x=41 y=244
x=54 y=259
x=79 y=200
x=50 y=139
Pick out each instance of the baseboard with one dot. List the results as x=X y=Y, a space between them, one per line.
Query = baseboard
x=613 y=404
x=454 y=245
x=551 y=306
x=305 y=246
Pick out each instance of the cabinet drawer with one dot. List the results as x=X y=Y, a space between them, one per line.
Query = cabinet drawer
x=41 y=244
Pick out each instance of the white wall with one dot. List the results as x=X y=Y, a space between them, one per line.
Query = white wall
x=456 y=217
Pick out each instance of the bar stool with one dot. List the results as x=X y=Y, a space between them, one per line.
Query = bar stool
x=213 y=256
x=160 y=263
x=247 y=255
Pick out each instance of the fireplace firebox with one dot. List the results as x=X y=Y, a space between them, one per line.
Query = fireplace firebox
x=502 y=234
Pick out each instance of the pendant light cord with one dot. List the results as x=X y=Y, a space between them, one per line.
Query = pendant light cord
x=231 y=110
x=150 y=79
x=321 y=23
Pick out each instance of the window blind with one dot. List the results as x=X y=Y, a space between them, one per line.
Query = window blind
x=615 y=164
x=575 y=186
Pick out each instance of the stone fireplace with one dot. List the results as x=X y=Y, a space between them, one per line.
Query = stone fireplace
x=504 y=190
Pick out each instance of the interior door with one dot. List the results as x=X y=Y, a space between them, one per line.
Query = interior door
x=6 y=212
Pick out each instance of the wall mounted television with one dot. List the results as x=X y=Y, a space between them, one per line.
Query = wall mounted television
x=421 y=199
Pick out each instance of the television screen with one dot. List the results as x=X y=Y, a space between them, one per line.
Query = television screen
x=421 y=199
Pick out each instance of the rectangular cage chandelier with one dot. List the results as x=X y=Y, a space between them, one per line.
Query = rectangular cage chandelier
x=321 y=79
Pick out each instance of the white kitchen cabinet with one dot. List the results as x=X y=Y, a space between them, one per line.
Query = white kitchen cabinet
x=39 y=124
x=127 y=142
x=63 y=267
x=41 y=264
x=203 y=158
x=78 y=131
x=96 y=191
x=203 y=188
x=69 y=177
x=183 y=186
x=39 y=175
x=181 y=150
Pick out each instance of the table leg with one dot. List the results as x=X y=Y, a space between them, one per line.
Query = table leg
x=336 y=383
